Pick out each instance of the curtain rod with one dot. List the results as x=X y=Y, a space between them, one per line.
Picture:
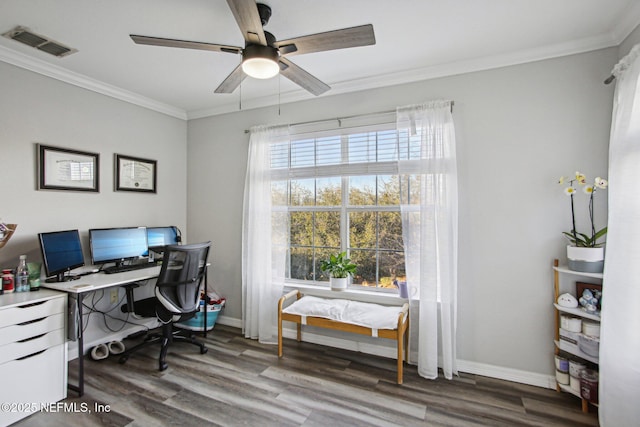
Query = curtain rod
x=338 y=119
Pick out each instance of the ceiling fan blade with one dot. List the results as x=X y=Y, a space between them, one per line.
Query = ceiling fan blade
x=232 y=81
x=302 y=78
x=157 y=41
x=248 y=19
x=338 y=39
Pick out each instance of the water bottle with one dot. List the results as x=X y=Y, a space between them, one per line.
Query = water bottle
x=22 y=275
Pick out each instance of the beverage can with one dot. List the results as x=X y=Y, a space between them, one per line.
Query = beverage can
x=8 y=281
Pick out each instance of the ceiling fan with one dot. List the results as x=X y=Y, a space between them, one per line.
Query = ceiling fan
x=263 y=56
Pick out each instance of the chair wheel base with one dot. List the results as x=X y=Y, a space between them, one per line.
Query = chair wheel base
x=203 y=350
x=163 y=366
x=123 y=360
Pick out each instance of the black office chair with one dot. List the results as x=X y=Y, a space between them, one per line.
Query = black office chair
x=177 y=298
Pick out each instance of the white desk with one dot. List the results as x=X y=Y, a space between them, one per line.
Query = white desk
x=96 y=281
x=93 y=282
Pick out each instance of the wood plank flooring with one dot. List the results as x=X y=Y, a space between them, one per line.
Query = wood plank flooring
x=240 y=382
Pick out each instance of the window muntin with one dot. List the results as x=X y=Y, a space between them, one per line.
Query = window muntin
x=342 y=192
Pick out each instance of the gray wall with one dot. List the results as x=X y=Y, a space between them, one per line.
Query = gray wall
x=34 y=108
x=37 y=109
x=629 y=42
x=518 y=128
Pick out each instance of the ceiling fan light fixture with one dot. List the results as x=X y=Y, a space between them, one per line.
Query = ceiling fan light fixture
x=260 y=62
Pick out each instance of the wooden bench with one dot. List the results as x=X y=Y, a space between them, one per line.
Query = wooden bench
x=399 y=333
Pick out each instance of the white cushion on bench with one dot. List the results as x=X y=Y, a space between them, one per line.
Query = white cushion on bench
x=365 y=314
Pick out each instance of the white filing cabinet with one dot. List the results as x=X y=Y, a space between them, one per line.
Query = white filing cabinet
x=33 y=365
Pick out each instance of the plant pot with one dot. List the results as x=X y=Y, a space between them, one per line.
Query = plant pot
x=586 y=260
x=338 y=284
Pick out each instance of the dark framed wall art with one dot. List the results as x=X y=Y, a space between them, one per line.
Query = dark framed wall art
x=135 y=174
x=67 y=169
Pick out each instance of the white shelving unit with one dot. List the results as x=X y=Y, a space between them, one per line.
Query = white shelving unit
x=565 y=346
x=33 y=352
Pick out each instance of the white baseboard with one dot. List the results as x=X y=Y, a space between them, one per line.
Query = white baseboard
x=475 y=368
x=229 y=321
x=105 y=339
x=507 y=374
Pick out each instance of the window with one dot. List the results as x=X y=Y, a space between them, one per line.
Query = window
x=342 y=192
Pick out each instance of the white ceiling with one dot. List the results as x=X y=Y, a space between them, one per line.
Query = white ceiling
x=415 y=40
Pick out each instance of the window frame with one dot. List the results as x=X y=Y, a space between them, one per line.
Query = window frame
x=347 y=170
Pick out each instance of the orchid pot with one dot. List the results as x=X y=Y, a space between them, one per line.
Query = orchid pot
x=585 y=252
x=585 y=259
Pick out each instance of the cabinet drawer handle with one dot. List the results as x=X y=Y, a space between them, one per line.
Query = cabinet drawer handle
x=32 y=338
x=29 y=322
x=33 y=304
x=32 y=354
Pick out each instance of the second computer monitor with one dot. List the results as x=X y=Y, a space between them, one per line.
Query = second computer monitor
x=117 y=244
x=159 y=237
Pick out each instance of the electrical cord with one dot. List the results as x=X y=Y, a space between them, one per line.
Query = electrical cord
x=106 y=314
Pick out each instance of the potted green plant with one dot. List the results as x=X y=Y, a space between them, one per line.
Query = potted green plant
x=585 y=252
x=339 y=268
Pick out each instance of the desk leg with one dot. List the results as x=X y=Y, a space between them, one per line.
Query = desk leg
x=206 y=301
x=80 y=388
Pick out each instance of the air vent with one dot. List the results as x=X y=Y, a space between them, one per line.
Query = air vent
x=24 y=35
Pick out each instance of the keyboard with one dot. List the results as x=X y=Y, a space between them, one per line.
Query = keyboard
x=129 y=267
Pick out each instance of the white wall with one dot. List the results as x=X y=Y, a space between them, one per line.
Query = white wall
x=34 y=108
x=519 y=128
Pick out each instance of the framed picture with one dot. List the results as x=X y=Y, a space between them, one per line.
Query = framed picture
x=135 y=174
x=65 y=169
x=596 y=292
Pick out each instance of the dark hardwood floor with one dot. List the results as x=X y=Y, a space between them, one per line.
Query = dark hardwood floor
x=240 y=382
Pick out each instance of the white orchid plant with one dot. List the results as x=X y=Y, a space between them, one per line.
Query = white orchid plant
x=581 y=239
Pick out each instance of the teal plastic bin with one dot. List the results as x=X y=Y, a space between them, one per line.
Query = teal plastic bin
x=196 y=323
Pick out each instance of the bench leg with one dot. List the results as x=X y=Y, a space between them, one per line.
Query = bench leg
x=400 y=357
x=406 y=340
x=279 y=333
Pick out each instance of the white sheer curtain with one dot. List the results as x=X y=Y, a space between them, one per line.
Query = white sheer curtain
x=430 y=232
x=620 y=342
x=263 y=239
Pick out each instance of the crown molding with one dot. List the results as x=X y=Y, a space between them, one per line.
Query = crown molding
x=59 y=73
x=428 y=73
x=628 y=22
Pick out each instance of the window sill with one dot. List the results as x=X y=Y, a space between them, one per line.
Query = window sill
x=348 y=294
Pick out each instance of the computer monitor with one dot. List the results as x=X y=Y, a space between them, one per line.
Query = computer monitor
x=61 y=252
x=117 y=244
x=159 y=237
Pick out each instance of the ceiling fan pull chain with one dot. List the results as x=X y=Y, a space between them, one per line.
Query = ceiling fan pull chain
x=279 y=83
